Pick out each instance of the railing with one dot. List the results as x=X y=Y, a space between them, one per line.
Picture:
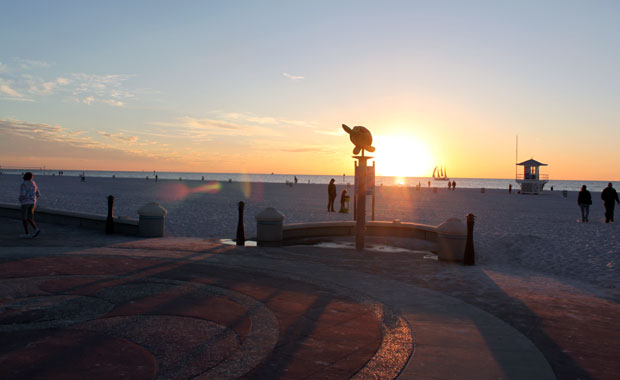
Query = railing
x=542 y=177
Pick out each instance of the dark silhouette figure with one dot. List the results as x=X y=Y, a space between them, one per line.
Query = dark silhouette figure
x=344 y=198
x=429 y=184
x=584 y=200
x=609 y=196
x=296 y=179
x=510 y=188
x=449 y=185
x=453 y=185
x=332 y=193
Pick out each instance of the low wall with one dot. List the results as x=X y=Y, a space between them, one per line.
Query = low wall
x=400 y=229
x=69 y=218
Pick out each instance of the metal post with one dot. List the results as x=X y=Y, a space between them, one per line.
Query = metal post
x=361 y=204
x=240 y=228
x=469 y=257
x=109 y=223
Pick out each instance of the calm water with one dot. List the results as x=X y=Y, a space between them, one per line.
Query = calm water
x=488 y=183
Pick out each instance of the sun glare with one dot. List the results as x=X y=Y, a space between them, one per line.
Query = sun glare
x=402 y=156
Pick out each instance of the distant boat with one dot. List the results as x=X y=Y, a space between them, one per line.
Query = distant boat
x=441 y=174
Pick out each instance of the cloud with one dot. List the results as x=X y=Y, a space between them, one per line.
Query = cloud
x=119 y=137
x=335 y=132
x=5 y=88
x=46 y=134
x=107 y=89
x=293 y=77
x=21 y=82
x=321 y=149
x=27 y=64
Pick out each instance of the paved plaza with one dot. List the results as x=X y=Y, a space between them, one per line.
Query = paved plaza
x=77 y=303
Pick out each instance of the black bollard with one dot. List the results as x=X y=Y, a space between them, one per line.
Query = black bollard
x=240 y=228
x=469 y=257
x=109 y=223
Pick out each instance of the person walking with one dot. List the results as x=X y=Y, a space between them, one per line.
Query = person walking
x=28 y=194
x=609 y=196
x=584 y=200
x=453 y=185
x=332 y=193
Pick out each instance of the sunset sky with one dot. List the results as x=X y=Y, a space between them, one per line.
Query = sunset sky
x=264 y=86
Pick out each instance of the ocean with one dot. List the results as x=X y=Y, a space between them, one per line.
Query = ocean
x=487 y=183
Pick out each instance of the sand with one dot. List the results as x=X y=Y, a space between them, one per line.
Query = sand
x=514 y=234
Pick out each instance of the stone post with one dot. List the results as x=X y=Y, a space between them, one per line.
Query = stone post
x=152 y=221
x=452 y=236
x=269 y=227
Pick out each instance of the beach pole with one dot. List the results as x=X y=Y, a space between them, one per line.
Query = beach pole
x=240 y=228
x=109 y=223
x=469 y=257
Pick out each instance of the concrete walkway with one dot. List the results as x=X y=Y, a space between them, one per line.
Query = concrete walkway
x=77 y=303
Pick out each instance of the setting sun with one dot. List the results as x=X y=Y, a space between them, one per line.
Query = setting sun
x=402 y=155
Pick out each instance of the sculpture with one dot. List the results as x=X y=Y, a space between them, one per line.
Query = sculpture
x=361 y=138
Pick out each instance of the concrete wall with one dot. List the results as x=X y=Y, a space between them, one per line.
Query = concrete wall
x=407 y=230
x=68 y=218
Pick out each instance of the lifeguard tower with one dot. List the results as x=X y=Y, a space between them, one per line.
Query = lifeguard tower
x=531 y=181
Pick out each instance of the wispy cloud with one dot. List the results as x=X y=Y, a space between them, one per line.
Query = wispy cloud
x=108 y=89
x=292 y=77
x=43 y=133
x=307 y=149
x=5 y=88
x=335 y=132
x=119 y=137
x=26 y=64
x=24 y=79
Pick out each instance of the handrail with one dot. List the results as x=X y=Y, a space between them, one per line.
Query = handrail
x=541 y=177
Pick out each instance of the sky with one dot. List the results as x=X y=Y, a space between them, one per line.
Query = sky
x=264 y=86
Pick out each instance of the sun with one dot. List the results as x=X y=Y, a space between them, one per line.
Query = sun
x=401 y=156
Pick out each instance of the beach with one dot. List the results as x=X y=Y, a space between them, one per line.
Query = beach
x=513 y=233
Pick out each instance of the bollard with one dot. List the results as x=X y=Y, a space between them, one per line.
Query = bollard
x=109 y=223
x=240 y=228
x=470 y=256
x=152 y=220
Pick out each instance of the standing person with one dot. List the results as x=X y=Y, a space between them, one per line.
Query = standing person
x=609 y=195
x=584 y=200
x=28 y=194
x=331 y=192
x=296 y=179
x=449 y=185
x=453 y=185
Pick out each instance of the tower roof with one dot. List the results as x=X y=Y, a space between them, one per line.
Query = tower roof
x=532 y=162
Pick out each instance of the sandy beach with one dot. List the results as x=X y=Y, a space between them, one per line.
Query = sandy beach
x=535 y=233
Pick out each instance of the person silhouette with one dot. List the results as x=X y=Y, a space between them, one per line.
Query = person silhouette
x=609 y=195
x=332 y=193
x=584 y=200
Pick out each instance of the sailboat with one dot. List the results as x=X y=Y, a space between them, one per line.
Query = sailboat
x=441 y=174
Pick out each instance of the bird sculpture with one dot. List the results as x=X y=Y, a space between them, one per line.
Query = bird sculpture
x=361 y=138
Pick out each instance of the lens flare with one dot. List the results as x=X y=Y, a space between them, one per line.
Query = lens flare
x=246 y=187
x=172 y=192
